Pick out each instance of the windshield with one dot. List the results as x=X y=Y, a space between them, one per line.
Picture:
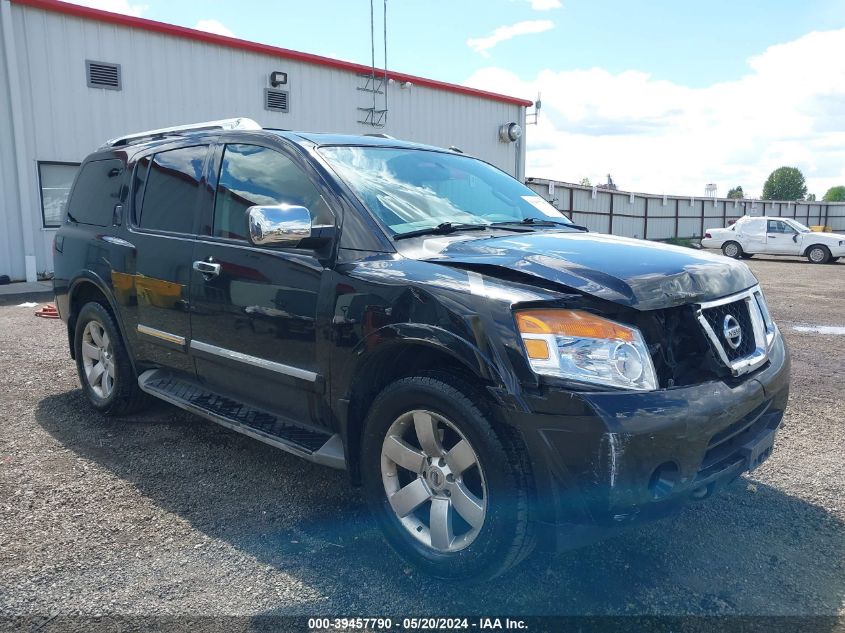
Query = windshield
x=797 y=226
x=411 y=190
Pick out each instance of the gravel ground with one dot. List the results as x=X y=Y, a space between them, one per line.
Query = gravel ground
x=165 y=513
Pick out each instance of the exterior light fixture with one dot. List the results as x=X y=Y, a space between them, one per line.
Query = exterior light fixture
x=278 y=78
x=510 y=132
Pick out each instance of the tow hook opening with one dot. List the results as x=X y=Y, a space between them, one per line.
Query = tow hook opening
x=702 y=492
x=663 y=480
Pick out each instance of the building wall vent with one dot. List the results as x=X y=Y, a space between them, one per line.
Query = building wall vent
x=276 y=100
x=103 y=75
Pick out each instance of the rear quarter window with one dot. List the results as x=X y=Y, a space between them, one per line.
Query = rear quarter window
x=98 y=188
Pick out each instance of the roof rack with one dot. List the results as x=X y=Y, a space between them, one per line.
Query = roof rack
x=240 y=123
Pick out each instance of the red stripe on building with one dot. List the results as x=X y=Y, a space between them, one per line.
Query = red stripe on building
x=66 y=8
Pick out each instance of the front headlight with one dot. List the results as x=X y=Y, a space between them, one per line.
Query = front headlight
x=585 y=347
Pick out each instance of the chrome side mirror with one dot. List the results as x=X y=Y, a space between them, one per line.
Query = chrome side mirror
x=278 y=225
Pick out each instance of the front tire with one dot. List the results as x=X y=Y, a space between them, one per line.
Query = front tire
x=104 y=367
x=732 y=250
x=818 y=254
x=450 y=493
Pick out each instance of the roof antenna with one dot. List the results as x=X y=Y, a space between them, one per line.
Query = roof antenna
x=386 y=82
x=377 y=84
x=536 y=114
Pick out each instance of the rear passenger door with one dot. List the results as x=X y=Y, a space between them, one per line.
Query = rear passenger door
x=753 y=235
x=254 y=320
x=164 y=225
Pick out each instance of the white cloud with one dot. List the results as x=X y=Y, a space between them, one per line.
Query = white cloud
x=660 y=136
x=544 y=5
x=115 y=6
x=214 y=26
x=504 y=33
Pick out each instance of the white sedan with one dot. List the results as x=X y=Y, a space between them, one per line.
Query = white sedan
x=775 y=236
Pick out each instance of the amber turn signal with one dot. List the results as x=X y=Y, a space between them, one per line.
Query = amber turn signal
x=570 y=323
x=537 y=349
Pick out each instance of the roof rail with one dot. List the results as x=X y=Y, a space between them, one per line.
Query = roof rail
x=240 y=123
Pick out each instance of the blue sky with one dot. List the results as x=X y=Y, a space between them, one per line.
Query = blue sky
x=694 y=43
x=666 y=95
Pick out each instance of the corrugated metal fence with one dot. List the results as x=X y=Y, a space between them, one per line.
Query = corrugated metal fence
x=658 y=217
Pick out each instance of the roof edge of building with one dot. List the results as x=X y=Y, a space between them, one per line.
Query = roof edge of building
x=67 y=8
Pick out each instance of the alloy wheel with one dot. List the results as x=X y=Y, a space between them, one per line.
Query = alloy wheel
x=98 y=359
x=433 y=481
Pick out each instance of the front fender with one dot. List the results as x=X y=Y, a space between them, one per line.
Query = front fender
x=387 y=340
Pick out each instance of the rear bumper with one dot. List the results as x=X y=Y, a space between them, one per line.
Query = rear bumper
x=603 y=461
x=710 y=242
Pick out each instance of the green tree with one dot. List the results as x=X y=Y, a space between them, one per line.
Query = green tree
x=785 y=183
x=736 y=192
x=585 y=182
x=835 y=194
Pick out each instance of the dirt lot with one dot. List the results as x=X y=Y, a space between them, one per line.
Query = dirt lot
x=168 y=514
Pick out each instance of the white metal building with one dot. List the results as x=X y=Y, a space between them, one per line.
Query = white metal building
x=72 y=77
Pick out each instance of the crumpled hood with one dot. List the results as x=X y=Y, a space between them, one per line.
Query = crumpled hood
x=638 y=273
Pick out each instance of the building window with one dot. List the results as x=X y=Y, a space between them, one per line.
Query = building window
x=55 y=180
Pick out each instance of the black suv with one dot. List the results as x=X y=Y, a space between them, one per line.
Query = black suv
x=494 y=376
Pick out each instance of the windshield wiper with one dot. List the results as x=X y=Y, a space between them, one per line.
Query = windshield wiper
x=441 y=229
x=536 y=222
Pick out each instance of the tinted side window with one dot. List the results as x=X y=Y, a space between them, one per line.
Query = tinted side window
x=138 y=182
x=252 y=175
x=170 y=194
x=97 y=190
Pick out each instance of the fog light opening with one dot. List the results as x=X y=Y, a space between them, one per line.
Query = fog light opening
x=663 y=480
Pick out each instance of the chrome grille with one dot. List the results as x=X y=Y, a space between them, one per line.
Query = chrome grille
x=738 y=311
x=742 y=311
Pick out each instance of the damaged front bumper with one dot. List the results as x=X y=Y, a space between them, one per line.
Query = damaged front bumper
x=602 y=461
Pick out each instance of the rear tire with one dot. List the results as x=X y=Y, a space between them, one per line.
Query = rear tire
x=103 y=363
x=818 y=254
x=469 y=516
x=732 y=250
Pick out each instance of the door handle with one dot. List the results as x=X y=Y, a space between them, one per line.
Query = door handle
x=208 y=269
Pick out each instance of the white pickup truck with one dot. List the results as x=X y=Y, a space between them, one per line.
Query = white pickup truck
x=775 y=236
